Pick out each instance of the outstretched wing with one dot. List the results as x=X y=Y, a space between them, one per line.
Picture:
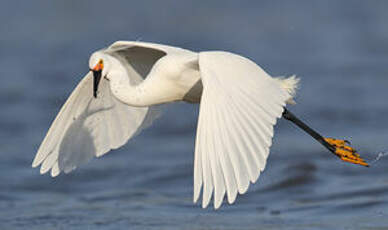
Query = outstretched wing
x=239 y=107
x=86 y=127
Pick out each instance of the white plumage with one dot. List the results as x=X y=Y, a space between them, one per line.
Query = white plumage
x=239 y=105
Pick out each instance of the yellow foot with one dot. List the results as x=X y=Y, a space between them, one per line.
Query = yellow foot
x=345 y=152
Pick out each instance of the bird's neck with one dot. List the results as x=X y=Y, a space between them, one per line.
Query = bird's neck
x=123 y=90
x=149 y=92
x=159 y=87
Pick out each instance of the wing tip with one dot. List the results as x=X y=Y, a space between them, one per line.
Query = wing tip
x=43 y=170
x=54 y=173
x=205 y=202
x=218 y=202
x=256 y=177
x=37 y=161
x=34 y=164
x=195 y=198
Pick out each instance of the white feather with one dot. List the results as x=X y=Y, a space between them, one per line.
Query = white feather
x=291 y=84
x=239 y=106
x=92 y=127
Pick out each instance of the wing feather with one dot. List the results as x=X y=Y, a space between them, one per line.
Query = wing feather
x=207 y=174
x=247 y=149
x=86 y=127
x=237 y=159
x=226 y=163
x=55 y=169
x=260 y=133
x=239 y=106
x=218 y=177
x=198 y=167
x=49 y=141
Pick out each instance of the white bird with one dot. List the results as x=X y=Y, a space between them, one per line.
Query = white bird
x=239 y=105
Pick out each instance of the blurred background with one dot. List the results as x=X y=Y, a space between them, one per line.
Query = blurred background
x=339 y=49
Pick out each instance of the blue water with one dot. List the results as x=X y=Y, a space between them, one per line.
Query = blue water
x=338 y=48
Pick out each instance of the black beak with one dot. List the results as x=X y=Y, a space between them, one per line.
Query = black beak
x=96 y=81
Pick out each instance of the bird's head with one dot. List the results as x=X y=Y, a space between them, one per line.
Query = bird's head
x=97 y=65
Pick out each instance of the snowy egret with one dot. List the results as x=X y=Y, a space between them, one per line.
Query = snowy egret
x=239 y=105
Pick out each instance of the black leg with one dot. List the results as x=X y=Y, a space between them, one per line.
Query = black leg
x=291 y=117
x=338 y=147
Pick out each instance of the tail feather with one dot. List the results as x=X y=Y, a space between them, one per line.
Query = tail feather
x=291 y=84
